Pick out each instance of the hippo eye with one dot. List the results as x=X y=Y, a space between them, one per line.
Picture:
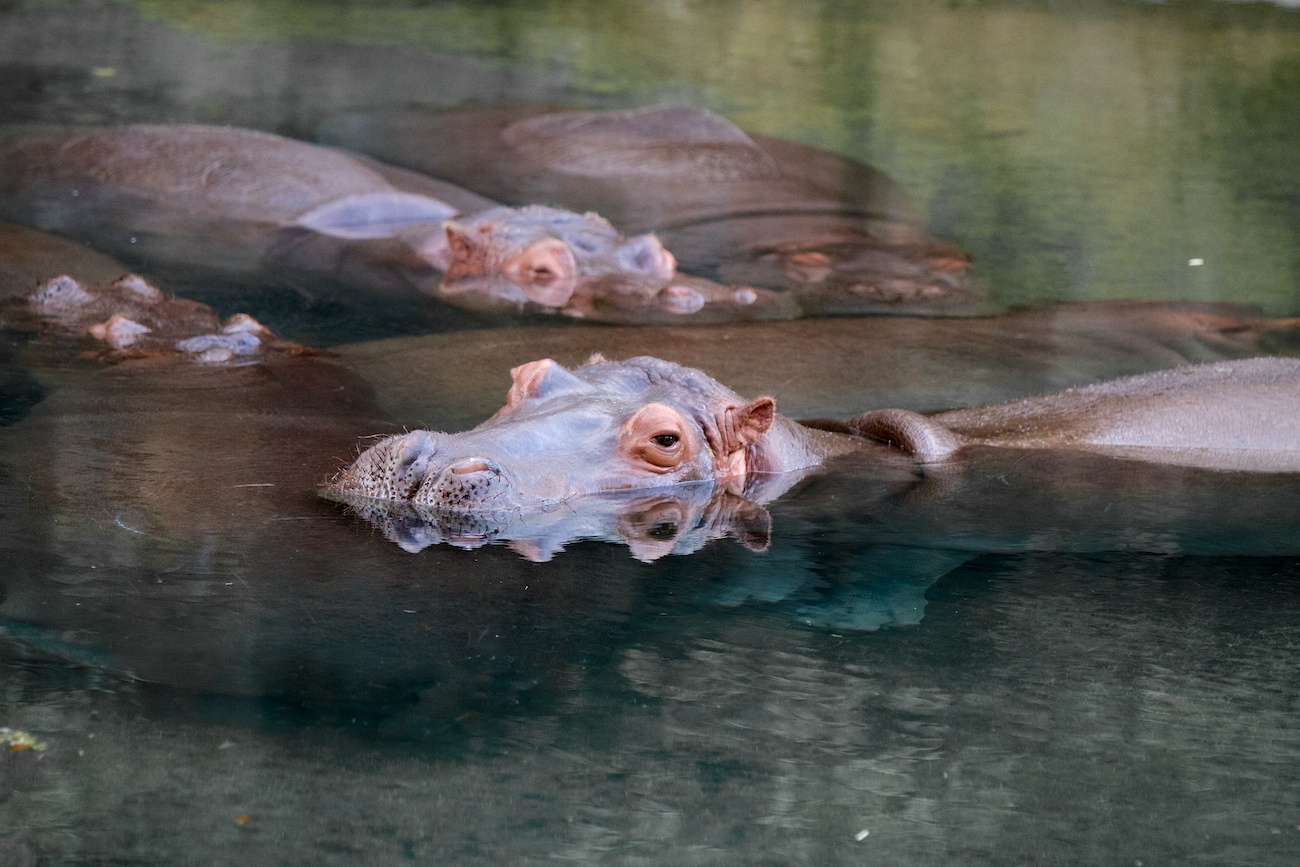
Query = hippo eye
x=666 y=440
x=663 y=531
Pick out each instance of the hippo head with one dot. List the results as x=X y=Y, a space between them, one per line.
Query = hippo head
x=535 y=259
x=606 y=426
x=553 y=261
x=647 y=452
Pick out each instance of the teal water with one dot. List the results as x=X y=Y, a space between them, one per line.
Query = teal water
x=990 y=670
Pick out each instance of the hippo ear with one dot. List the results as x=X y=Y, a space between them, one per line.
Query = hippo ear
x=451 y=245
x=374 y=215
x=542 y=379
x=647 y=256
x=738 y=426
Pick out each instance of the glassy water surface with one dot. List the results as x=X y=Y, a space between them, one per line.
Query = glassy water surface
x=1029 y=660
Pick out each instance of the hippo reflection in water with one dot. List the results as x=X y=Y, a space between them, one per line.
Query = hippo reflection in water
x=644 y=427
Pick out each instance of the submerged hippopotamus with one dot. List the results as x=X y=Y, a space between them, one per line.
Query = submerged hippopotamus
x=188 y=476
x=838 y=235
x=645 y=424
x=244 y=203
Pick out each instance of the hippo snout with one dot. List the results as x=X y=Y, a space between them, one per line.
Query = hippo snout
x=466 y=484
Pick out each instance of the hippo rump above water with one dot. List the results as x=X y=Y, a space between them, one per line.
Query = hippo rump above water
x=240 y=203
x=838 y=236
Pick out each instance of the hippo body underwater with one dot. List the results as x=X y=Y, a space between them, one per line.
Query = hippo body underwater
x=839 y=236
x=239 y=203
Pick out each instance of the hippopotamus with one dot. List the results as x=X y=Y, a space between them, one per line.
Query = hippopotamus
x=645 y=424
x=160 y=515
x=841 y=237
x=241 y=203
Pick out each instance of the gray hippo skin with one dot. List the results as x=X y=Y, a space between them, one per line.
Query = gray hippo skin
x=647 y=424
x=240 y=203
x=840 y=236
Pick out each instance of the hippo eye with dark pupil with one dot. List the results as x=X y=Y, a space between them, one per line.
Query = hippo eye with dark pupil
x=665 y=440
x=542 y=275
x=663 y=531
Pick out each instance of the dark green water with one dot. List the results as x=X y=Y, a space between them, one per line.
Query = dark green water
x=985 y=677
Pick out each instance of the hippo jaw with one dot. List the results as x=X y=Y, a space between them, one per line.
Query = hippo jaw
x=561 y=435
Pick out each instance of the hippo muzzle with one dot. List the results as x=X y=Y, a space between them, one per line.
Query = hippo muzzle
x=435 y=471
x=470 y=484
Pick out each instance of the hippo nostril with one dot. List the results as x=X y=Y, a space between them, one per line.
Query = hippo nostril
x=473 y=465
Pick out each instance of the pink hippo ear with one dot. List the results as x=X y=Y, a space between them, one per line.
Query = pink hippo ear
x=545 y=270
x=540 y=379
x=454 y=251
x=738 y=426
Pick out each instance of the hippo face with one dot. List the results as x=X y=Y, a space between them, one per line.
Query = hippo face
x=554 y=260
x=544 y=255
x=606 y=426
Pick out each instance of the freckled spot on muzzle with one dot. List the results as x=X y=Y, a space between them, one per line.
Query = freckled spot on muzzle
x=468 y=485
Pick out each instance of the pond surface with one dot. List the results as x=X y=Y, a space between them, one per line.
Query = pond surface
x=1028 y=662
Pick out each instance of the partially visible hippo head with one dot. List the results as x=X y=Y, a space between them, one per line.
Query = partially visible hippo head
x=552 y=260
x=631 y=426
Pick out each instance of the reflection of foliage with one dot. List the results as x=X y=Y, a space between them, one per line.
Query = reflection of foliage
x=1079 y=151
x=14 y=740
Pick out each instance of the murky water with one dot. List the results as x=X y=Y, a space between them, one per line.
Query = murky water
x=1080 y=662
